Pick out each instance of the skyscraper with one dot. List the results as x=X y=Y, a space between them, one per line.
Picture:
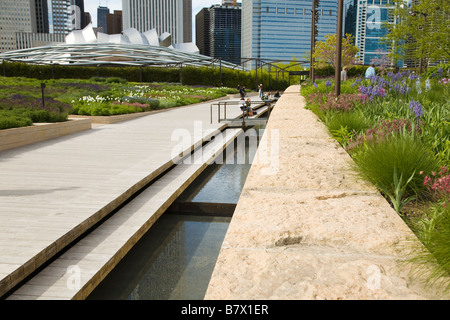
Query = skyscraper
x=65 y=15
x=366 y=20
x=15 y=15
x=219 y=31
x=281 y=30
x=114 y=22
x=202 y=37
x=23 y=22
x=172 y=16
x=102 y=18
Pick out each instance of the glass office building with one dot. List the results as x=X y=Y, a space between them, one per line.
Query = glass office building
x=219 y=31
x=366 y=20
x=281 y=29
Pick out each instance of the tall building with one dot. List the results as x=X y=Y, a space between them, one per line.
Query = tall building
x=281 y=30
x=15 y=16
x=350 y=11
x=65 y=15
x=172 y=16
x=366 y=20
x=219 y=31
x=29 y=23
x=202 y=37
x=114 y=22
x=42 y=16
x=102 y=18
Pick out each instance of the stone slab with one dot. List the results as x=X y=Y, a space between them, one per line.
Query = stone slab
x=308 y=227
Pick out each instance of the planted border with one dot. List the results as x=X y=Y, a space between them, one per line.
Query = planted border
x=397 y=129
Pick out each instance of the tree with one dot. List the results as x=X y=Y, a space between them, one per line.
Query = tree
x=325 y=52
x=381 y=60
x=420 y=31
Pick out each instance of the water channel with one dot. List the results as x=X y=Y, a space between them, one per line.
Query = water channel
x=175 y=259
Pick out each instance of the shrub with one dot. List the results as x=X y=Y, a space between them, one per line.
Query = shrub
x=433 y=229
x=405 y=152
x=345 y=125
x=438 y=184
x=8 y=121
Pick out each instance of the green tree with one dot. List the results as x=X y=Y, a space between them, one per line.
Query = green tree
x=325 y=52
x=420 y=31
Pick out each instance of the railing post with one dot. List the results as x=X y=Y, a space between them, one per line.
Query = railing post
x=211 y=112
x=218 y=113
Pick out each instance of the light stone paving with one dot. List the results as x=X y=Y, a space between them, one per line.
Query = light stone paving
x=310 y=228
x=52 y=192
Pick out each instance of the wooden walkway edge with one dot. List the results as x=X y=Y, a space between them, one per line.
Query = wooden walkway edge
x=54 y=191
x=79 y=270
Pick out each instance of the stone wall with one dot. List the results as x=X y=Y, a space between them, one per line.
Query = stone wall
x=307 y=227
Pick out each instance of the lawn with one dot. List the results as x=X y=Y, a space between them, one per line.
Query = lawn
x=22 y=103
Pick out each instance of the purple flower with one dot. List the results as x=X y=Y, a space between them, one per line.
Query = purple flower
x=328 y=83
x=315 y=85
x=417 y=108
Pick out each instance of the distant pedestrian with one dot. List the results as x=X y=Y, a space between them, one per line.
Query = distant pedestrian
x=243 y=104
x=344 y=74
x=242 y=92
x=370 y=72
x=261 y=91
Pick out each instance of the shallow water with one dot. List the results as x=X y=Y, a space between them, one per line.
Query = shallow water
x=175 y=259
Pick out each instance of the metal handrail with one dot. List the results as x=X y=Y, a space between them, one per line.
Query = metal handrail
x=234 y=103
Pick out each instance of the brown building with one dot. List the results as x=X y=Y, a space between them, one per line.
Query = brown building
x=114 y=22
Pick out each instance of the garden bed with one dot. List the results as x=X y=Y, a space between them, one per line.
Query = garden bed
x=18 y=137
x=25 y=101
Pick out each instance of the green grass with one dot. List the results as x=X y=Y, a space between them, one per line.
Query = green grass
x=433 y=229
x=403 y=152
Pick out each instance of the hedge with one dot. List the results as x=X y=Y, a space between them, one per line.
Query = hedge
x=210 y=76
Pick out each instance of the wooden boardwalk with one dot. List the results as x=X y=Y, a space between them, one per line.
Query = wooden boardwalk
x=53 y=192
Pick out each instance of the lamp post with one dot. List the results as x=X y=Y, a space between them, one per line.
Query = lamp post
x=337 y=74
x=314 y=19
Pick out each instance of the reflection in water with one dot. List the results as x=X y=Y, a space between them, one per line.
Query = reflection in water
x=222 y=182
x=175 y=259
x=172 y=262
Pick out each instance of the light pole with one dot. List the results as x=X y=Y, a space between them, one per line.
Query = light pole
x=337 y=74
x=314 y=19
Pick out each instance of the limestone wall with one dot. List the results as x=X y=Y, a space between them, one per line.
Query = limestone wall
x=307 y=227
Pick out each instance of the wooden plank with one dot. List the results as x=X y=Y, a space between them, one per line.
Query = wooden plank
x=97 y=253
x=81 y=178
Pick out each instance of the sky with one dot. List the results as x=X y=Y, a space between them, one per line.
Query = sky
x=92 y=5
